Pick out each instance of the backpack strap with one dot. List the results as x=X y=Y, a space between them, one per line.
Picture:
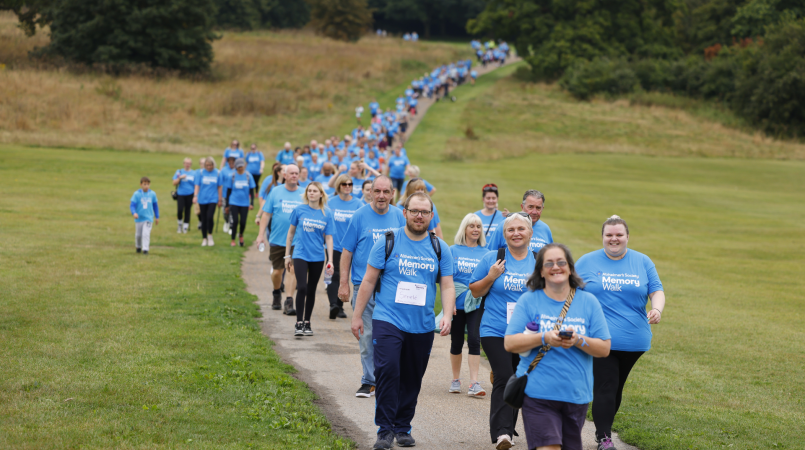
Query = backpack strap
x=437 y=247
x=389 y=248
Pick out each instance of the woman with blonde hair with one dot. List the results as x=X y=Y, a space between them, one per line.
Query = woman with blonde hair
x=315 y=220
x=469 y=248
x=207 y=193
x=419 y=185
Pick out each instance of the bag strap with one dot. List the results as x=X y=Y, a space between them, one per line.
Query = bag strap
x=490 y=223
x=389 y=248
x=556 y=327
x=437 y=247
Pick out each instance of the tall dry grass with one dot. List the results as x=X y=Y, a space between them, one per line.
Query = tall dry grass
x=267 y=87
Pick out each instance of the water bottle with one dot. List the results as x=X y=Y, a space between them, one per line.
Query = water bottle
x=327 y=277
x=530 y=328
x=261 y=247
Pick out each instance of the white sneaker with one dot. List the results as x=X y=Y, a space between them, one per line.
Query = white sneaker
x=204 y=242
x=226 y=227
x=185 y=227
x=210 y=242
x=179 y=230
x=504 y=442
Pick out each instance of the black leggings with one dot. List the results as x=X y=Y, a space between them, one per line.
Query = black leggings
x=307 y=277
x=183 y=205
x=332 y=288
x=461 y=320
x=502 y=417
x=609 y=376
x=254 y=192
x=207 y=218
x=239 y=215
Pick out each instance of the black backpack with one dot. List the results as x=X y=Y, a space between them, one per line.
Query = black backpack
x=434 y=242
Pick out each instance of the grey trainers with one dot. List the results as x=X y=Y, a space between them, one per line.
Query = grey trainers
x=385 y=440
x=476 y=390
x=405 y=440
x=606 y=444
x=455 y=387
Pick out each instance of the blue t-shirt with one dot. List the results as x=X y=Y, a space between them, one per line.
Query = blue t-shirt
x=241 y=188
x=314 y=169
x=374 y=163
x=226 y=178
x=357 y=187
x=465 y=259
x=397 y=166
x=366 y=228
x=324 y=179
x=564 y=375
x=208 y=182
x=236 y=153
x=311 y=227
x=622 y=287
x=145 y=205
x=342 y=214
x=264 y=190
x=188 y=183
x=410 y=262
x=286 y=157
x=490 y=223
x=253 y=160
x=280 y=204
x=303 y=184
x=507 y=288
x=540 y=237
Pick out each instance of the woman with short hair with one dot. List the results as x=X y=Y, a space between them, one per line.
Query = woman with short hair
x=623 y=280
x=469 y=248
x=208 y=193
x=567 y=328
x=185 y=181
x=501 y=281
x=491 y=217
x=315 y=222
x=343 y=207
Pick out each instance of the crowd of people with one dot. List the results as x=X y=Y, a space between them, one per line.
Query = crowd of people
x=356 y=210
x=491 y=52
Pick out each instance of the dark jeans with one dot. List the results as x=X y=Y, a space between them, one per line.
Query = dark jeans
x=502 y=417
x=461 y=321
x=332 y=288
x=239 y=215
x=609 y=376
x=183 y=205
x=207 y=218
x=400 y=362
x=307 y=277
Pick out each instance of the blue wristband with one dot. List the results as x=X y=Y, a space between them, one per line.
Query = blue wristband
x=543 y=339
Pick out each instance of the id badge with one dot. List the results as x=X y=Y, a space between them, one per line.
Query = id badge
x=411 y=293
x=509 y=311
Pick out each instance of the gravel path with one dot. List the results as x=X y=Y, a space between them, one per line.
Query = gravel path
x=329 y=362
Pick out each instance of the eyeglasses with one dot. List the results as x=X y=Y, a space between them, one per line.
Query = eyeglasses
x=550 y=264
x=416 y=212
x=347 y=184
x=490 y=187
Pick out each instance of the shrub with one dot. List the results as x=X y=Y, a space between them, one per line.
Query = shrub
x=599 y=76
x=653 y=74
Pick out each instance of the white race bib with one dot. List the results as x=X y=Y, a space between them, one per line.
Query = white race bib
x=411 y=293
x=509 y=311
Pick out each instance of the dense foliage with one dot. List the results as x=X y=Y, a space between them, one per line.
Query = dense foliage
x=345 y=20
x=427 y=17
x=256 y=14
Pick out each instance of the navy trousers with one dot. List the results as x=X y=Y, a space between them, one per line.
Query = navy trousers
x=400 y=362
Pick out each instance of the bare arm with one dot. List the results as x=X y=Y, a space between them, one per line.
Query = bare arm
x=262 y=166
x=364 y=293
x=288 y=241
x=448 y=304
x=432 y=191
x=657 y=307
x=328 y=241
x=438 y=231
x=195 y=194
x=264 y=220
x=517 y=343
x=343 y=283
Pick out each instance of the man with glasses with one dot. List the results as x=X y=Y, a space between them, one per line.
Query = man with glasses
x=368 y=225
x=403 y=317
x=532 y=206
x=491 y=218
x=233 y=151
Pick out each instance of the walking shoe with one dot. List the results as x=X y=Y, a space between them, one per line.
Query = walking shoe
x=210 y=242
x=277 y=303
x=289 y=311
x=606 y=444
x=145 y=252
x=341 y=314
x=199 y=226
x=299 y=330
x=405 y=440
x=225 y=227
x=366 y=391
x=185 y=227
x=204 y=242
x=139 y=250
x=308 y=330
x=455 y=387
x=476 y=390
x=504 y=442
x=385 y=440
x=179 y=230
x=233 y=244
x=334 y=312
x=241 y=241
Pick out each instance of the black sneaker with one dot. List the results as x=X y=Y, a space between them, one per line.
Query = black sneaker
x=289 y=311
x=299 y=330
x=139 y=250
x=145 y=252
x=366 y=391
x=341 y=314
x=308 y=330
x=405 y=440
x=385 y=440
x=334 y=312
x=277 y=303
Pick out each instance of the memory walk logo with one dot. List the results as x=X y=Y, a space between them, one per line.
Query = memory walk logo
x=241 y=184
x=408 y=265
x=616 y=281
x=313 y=225
x=343 y=215
x=289 y=205
x=466 y=265
x=513 y=281
x=547 y=322
x=537 y=243
x=378 y=233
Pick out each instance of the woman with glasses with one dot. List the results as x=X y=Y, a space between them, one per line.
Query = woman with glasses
x=623 y=280
x=418 y=185
x=559 y=388
x=469 y=248
x=500 y=278
x=490 y=216
x=343 y=207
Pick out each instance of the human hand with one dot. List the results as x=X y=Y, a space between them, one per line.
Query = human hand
x=226 y=210
x=261 y=238
x=251 y=208
x=498 y=268
x=288 y=263
x=654 y=316
x=156 y=221
x=220 y=203
x=571 y=341
x=505 y=212
x=444 y=326
x=136 y=216
x=195 y=200
x=343 y=292
x=357 y=326
x=329 y=270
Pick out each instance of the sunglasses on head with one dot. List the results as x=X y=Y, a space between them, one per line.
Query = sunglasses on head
x=490 y=187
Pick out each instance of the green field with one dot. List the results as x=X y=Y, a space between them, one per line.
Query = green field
x=726 y=368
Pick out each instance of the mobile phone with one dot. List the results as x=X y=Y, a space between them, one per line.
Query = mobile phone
x=565 y=334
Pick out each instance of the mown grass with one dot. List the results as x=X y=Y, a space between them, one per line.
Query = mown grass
x=105 y=348
x=267 y=87
x=726 y=368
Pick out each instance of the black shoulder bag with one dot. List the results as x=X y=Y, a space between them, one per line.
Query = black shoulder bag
x=514 y=394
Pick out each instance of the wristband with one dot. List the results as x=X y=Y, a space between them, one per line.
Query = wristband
x=287 y=257
x=543 y=339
